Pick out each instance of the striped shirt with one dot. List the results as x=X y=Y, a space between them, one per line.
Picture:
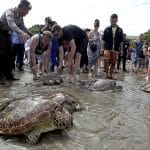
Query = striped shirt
x=11 y=21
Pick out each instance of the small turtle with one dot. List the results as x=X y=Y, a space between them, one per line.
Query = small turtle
x=100 y=85
x=51 y=79
x=32 y=117
x=146 y=88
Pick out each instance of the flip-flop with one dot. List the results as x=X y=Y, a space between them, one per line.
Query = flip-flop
x=35 y=78
x=112 y=78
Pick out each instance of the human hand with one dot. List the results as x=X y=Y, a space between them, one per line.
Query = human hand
x=59 y=69
x=23 y=36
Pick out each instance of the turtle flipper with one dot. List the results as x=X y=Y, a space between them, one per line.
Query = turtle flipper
x=33 y=137
x=4 y=103
x=117 y=89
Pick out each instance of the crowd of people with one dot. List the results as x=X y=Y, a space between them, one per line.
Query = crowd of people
x=68 y=48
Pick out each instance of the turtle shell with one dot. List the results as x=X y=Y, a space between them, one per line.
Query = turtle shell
x=22 y=116
x=67 y=101
x=146 y=88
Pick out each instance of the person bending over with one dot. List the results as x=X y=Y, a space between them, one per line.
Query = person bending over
x=77 y=39
x=40 y=50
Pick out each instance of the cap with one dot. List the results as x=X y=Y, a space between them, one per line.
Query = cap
x=25 y=4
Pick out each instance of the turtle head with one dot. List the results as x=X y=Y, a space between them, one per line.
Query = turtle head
x=118 y=88
x=63 y=119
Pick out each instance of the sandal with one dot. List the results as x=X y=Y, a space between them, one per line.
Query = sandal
x=35 y=78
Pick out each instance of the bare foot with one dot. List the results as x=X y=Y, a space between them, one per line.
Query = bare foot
x=72 y=80
x=90 y=75
x=147 y=78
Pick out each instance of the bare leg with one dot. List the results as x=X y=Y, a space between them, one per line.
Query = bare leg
x=96 y=68
x=34 y=71
x=112 y=66
x=148 y=72
x=76 y=66
x=41 y=68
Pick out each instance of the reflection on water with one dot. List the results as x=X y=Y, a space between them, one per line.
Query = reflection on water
x=111 y=121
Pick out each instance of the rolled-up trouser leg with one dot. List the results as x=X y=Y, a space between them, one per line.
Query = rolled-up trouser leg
x=113 y=60
x=106 y=66
x=106 y=61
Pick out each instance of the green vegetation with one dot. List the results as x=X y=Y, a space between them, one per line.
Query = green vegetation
x=35 y=29
x=147 y=35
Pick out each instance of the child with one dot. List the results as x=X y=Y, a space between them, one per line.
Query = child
x=133 y=57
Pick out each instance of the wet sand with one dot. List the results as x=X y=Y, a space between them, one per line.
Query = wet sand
x=110 y=121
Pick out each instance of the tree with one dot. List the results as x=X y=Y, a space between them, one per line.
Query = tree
x=147 y=35
x=35 y=29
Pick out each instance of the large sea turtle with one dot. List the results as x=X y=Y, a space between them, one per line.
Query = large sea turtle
x=32 y=117
x=146 y=88
x=51 y=79
x=100 y=85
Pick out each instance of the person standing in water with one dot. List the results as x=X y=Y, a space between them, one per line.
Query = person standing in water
x=126 y=46
x=113 y=44
x=94 y=48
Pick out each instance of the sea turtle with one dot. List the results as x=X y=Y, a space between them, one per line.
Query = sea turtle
x=66 y=100
x=146 y=88
x=32 y=117
x=51 y=79
x=100 y=85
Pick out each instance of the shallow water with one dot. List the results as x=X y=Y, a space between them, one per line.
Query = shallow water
x=110 y=121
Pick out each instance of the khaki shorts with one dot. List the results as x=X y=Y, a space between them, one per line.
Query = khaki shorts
x=111 y=55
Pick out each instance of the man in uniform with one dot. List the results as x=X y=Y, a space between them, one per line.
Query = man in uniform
x=11 y=20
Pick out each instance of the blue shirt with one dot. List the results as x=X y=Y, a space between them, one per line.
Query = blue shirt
x=133 y=53
x=139 y=46
x=15 y=38
x=55 y=50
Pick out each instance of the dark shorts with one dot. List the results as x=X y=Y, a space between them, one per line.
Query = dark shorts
x=82 y=47
x=146 y=62
x=141 y=62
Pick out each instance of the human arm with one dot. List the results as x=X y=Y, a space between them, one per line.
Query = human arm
x=25 y=29
x=34 y=43
x=47 y=57
x=71 y=53
x=121 y=42
x=45 y=27
x=121 y=48
x=104 y=39
x=61 y=58
x=13 y=26
x=90 y=37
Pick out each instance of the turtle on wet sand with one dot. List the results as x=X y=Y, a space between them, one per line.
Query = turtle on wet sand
x=51 y=79
x=146 y=88
x=100 y=85
x=32 y=117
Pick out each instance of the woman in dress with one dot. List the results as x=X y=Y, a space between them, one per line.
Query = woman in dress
x=94 y=48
